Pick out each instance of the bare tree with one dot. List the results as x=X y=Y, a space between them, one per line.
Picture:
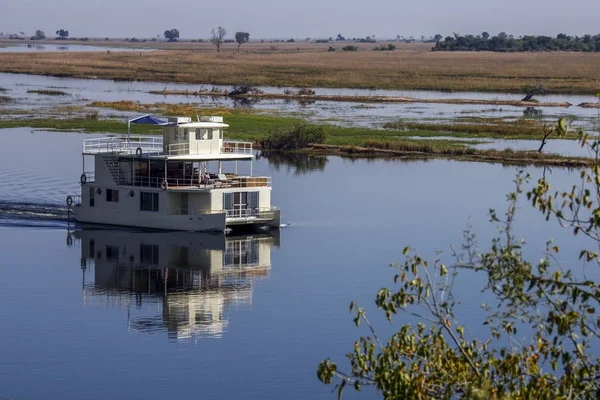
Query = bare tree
x=217 y=37
x=532 y=90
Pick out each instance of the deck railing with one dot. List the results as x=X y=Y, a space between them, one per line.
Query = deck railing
x=122 y=145
x=236 y=147
x=154 y=145
x=194 y=183
x=260 y=213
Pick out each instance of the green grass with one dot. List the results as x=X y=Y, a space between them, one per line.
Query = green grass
x=48 y=92
x=79 y=125
x=356 y=142
x=477 y=127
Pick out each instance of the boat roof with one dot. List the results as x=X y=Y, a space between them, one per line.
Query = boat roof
x=196 y=157
x=199 y=125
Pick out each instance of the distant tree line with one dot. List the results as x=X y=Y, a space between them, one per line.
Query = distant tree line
x=507 y=43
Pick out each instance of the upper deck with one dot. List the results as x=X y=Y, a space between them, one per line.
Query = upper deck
x=181 y=139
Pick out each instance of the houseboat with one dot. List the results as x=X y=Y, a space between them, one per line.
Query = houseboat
x=190 y=179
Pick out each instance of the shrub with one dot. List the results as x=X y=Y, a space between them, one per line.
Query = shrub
x=306 y=92
x=350 y=48
x=298 y=137
x=92 y=115
x=244 y=89
x=330 y=49
x=383 y=47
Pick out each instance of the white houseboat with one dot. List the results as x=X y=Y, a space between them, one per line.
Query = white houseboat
x=186 y=180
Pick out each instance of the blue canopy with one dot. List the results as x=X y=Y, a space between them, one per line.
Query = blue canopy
x=147 y=119
x=144 y=119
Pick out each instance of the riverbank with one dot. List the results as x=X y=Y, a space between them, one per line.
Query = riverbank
x=349 y=142
x=294 y=95
x=317 y=67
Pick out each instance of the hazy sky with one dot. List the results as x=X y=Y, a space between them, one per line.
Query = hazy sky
x=300 y=18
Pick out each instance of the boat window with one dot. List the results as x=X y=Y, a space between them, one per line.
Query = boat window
x=210 y=134
x=112 y=195
x=201 y=133
x=184 y=134
x=92 y=200
x=148 y=201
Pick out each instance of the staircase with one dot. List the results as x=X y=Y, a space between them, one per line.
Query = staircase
x=111 y=162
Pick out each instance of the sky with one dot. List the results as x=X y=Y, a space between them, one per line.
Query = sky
x=301 y=18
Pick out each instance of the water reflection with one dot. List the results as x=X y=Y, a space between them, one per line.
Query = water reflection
x=175 y=282
x=299 y=163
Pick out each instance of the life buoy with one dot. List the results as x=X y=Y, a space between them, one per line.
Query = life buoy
x=164 y=185
x=69 y=201
x=83 y=179
x=138 y=152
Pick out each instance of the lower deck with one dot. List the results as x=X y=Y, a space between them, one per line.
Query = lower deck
x=175 y=208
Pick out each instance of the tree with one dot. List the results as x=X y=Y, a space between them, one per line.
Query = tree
x=217 y=36
x=172 y=35
x=437 y=37
x=340 y=38
x=485 y=35
x=553 y=307
x=62 y=34
x=241 y=38
x=39 y=35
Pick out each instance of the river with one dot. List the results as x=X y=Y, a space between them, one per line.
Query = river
x=91 y=313
x=80 y=92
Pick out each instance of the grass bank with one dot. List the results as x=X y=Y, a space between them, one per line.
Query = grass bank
x=47 y=92
x=356 y=142
x=477 y=127
x=314 y=66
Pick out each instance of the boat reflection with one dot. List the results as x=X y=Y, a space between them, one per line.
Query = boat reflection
x=175 y=282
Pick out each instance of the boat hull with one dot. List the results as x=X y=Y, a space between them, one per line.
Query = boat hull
x=204 y=222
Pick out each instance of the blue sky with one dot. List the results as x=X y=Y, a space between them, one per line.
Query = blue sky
x=299 y=19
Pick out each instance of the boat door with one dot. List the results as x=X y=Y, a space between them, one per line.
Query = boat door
x=240 y=204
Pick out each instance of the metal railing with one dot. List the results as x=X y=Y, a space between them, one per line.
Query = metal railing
x=189 y=211
x=122 y=145
x=87 y=177
x=258 y=213
x=154 y=145
x=236 y=147
x=73 y=200
x=195 y=183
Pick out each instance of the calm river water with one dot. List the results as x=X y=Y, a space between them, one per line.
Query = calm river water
x=83 y=91
x=88 y=313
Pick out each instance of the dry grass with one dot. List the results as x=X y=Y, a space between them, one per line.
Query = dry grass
x=314 y=66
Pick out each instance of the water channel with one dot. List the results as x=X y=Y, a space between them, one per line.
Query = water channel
x=81 y=92
x=88 y=313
